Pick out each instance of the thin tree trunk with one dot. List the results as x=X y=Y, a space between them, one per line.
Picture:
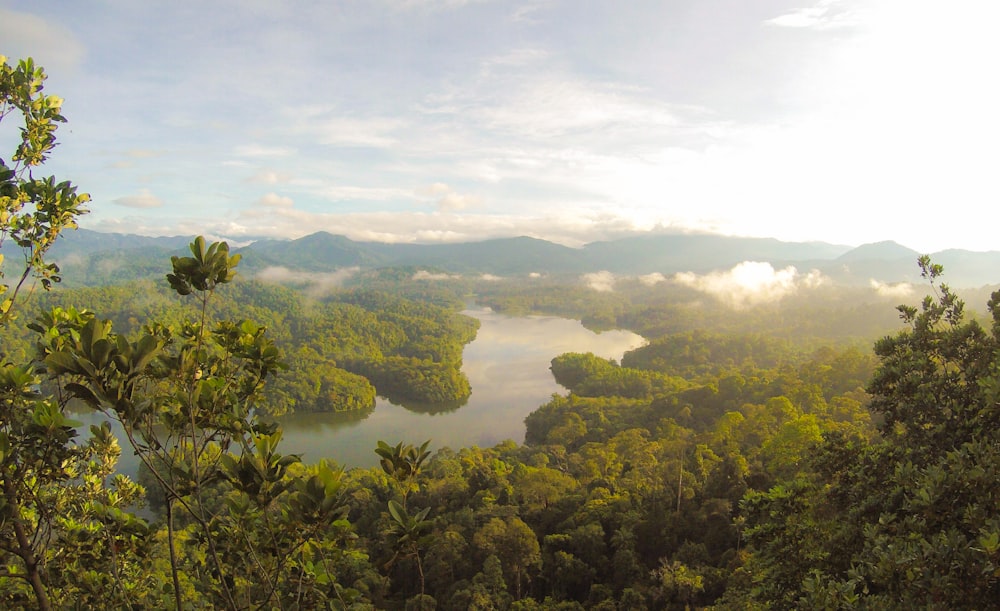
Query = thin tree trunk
x=25 y=551
x=178 y=599
x=420 y=570
x=680 y=481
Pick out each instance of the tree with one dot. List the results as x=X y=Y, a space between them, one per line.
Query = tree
x=52 y=485
x=514 y=543
x=265 y=526
x=911 y=520
x=33 y=211
x=409 y=535
x=403 y=463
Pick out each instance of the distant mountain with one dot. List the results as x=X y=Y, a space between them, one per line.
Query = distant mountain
x=637 y=255
x=881 y=261
x=698 y=253
x=323 y=252
x=665 y=253
x=316 y=252
x=971 y=269
x=879 y=251
x=86 y=241
x=90 y=257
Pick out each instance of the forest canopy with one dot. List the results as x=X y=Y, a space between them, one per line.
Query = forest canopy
x=728 y=463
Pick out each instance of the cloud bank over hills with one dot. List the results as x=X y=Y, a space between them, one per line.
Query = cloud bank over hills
x=742 y=271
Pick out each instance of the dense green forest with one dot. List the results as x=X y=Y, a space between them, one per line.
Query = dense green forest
x=767 y=457
x=339 y=350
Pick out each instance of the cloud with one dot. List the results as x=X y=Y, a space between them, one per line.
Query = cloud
x=535 y=275
x=526 y=12
x=454 y=201
x=354 y=193
x=652 y=279
x=825 y=14
x=51 y=45
x=433 y=5
x=268 y=177
x=384 y=226
x=426 y=275
x=274 y=200
x=602 y=281
x=130 y=156
x=144 y=199
x=259 y=150
x=895 y=290
x=751 y=283
x=547 y=105
x=490 y=278
x=372 y=132
x=445 y=199
x=435 y=190
x=317 y=284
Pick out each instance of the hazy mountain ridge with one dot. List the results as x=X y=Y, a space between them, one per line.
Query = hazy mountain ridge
x=885 y=262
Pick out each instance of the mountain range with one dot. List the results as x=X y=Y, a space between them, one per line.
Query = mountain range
x=105 y=257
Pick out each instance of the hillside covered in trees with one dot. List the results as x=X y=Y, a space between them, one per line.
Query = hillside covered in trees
x=759 y=457
x=339 y=351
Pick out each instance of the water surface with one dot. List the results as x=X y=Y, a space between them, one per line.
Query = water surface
x=508 y=369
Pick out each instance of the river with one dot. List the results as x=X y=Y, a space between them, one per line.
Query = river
x=508 y=368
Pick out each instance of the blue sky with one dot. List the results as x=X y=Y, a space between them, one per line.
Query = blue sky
x=846 y=121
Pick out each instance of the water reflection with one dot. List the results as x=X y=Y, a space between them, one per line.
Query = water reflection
x=508 y=368
x=311 y=421
x=431 y=408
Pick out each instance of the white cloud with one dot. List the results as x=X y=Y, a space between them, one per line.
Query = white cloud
x=652 y=279
x=603 y=281
x=354 y=193
x=274 y=200
x=426 y=275
x=433 y=5
x=317 y=283
x=52 y=46
x=535 y=110
x=547 y=106
x=337 y=131
x=490 y=278
x=750 y=283
x=268 y=177
x=143 y=199
x=517 y=58
x=525 y=13
x=260 y=150
x=434 y=190
x=445 y=199
x=570 y=229
x=894 y=290
x=824 y=14
x=454 y=201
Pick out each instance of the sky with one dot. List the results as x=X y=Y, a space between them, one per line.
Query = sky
x=843 y=121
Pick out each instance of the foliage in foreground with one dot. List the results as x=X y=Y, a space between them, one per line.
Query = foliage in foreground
x=911 y=520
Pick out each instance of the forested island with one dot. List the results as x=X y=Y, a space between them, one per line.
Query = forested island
x=825 y=450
